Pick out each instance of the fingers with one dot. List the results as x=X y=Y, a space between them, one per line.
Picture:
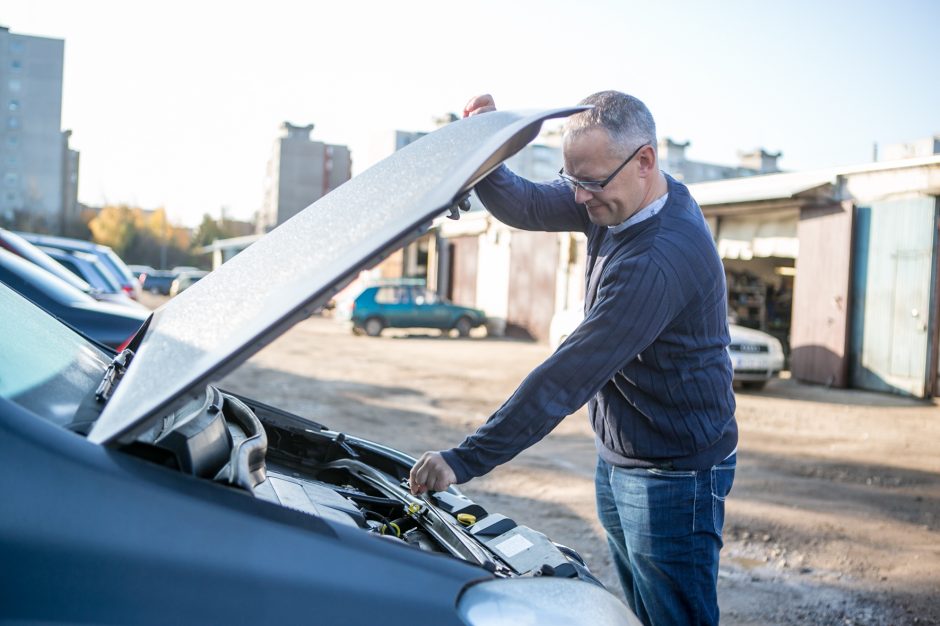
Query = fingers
x=418 y=475
x=431 y=473
x=479 y=104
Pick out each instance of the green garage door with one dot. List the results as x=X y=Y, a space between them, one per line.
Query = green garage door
x=891 y=323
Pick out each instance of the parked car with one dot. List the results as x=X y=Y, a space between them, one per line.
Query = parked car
x=92 y=269
x=112 y=261
x=158 y=281
x=131 y=477
x=184 y=280
x=410 y=306
x=17 y=245
x=756 y=356
x=110 y=324
x=137 y=270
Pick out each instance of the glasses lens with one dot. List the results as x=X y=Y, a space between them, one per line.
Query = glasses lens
x=591 y=186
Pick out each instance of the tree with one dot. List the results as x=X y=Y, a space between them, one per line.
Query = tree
x=142 y=237
x=115 y=226
x=208 y=231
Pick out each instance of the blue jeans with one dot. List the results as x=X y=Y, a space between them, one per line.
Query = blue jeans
x=664 y=531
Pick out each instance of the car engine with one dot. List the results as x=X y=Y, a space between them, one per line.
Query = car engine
x=297 y=463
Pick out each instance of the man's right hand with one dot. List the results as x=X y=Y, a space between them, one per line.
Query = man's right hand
x=479 y=104
x=431 y=473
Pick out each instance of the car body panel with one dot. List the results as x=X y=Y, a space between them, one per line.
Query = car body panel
x=219 y=322
x=126 y=532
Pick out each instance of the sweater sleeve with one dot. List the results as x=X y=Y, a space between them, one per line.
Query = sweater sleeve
x=523 y=204
x=635 y=303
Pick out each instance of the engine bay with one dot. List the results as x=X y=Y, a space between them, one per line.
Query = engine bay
x=299 y=464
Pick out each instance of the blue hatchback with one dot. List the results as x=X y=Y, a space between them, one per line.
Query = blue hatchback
x=410 y=306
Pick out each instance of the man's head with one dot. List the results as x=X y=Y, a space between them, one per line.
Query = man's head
x=619 y=132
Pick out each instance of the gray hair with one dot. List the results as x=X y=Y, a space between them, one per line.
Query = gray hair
x=625 y=118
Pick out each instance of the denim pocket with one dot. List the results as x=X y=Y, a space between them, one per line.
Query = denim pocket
x=722 y=477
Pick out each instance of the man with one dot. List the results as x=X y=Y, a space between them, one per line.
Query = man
x=649 y=358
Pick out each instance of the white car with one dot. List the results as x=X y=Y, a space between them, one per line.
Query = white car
x=755 y=355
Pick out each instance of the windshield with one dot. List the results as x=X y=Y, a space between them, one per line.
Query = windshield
x=45 y=367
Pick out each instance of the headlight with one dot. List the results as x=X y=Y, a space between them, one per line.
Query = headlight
x=541 y=601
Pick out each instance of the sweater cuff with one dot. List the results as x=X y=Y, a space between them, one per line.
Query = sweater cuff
x=460 y=468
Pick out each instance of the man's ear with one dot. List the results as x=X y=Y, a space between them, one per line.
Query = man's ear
x=647 y=159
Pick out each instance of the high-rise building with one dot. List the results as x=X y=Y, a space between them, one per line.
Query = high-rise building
x=39 y=183
x=300 y=171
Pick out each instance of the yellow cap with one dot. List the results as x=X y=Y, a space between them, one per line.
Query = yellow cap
x=466 y=519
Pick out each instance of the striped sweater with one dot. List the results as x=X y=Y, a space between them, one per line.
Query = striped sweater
x=650 y=357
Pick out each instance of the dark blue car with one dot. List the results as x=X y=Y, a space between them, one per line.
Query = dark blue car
x=136 y=491
x=110 y=324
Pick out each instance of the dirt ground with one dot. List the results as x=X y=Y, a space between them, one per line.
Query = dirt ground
x=833 y=518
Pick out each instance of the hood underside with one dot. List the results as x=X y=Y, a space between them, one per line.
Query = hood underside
x=212 y=327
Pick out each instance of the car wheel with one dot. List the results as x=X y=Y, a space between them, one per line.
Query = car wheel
x=463 y=326
x=374 y=326
x=754 y=385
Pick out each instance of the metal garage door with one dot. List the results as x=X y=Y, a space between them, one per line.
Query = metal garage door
x=892 y=322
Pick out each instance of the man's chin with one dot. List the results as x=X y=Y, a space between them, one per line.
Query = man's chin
x=599 y=215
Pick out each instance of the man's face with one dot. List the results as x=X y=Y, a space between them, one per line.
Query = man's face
x=591 y=155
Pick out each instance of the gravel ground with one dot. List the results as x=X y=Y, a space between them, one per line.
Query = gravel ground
x=833 y=518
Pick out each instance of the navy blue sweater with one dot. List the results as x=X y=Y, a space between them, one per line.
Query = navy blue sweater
x=649 y=358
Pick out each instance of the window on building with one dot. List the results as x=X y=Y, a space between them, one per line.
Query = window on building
x=16 y=64
x=13 y=123
x=13 y=140
x=14 y=105
x=11 y=179
x=14 y=84
x=16 y=46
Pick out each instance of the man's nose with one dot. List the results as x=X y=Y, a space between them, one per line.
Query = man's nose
x=582 y=195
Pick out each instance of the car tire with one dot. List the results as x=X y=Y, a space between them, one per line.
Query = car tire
x=753 y=385
x=374 y=326
x=463 y=326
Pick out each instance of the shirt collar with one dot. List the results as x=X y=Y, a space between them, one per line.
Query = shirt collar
x=645 y=213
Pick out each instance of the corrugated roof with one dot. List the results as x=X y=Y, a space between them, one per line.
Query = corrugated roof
x=790 y=184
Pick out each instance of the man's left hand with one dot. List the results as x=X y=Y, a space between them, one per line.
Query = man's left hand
x=431 y=473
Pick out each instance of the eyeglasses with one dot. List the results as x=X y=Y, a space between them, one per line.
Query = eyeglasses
x=596 y=186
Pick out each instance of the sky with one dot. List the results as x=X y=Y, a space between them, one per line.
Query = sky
x=176 y=104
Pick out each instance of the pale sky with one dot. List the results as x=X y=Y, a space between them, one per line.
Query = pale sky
x=177 y=103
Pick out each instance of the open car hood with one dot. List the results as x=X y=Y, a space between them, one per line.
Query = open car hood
x=214 y=326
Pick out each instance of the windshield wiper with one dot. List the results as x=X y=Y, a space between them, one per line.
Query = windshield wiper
x=113 y=375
